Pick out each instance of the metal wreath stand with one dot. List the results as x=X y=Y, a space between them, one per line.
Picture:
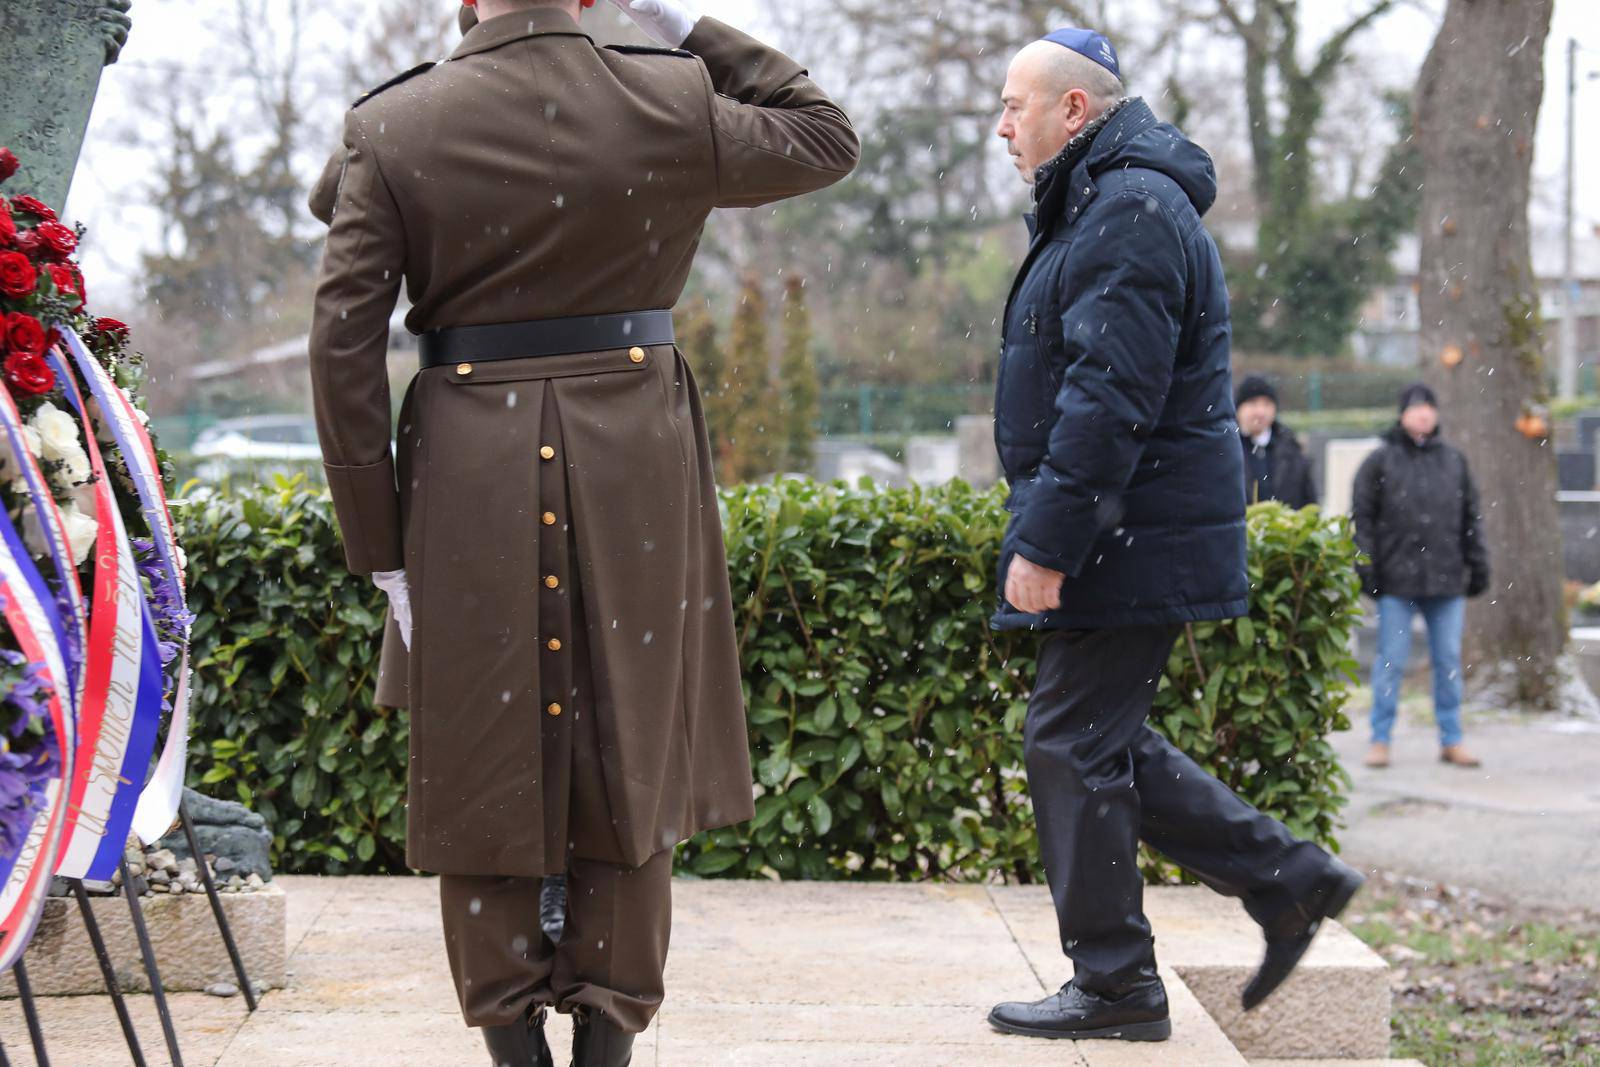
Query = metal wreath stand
x=133 y=887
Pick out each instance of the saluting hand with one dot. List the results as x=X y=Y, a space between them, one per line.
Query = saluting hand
x=668 y=21
x=1031 y=588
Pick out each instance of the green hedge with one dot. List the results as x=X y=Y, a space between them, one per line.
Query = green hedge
x=885 y=715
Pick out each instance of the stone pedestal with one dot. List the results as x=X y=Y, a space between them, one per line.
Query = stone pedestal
x=976 y=462
x=52 y=52
x=183 y=931
x=1342 y=459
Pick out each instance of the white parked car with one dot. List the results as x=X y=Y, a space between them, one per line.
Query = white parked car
x=260 y=443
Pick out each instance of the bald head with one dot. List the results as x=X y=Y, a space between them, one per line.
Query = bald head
x=1051 y=93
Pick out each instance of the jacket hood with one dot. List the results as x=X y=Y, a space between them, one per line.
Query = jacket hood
x=1132 y=137
x=1135 y=138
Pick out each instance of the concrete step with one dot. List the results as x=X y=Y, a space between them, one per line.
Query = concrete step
x=1335 y=1005
x=759 y=973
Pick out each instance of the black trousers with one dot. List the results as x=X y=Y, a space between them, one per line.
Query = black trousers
x=1101 y=780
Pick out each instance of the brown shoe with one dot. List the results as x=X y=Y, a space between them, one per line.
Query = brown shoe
x=1378 y=755
x=1458 y=756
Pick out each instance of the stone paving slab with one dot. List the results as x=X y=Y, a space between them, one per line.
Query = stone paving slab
x=759 y=974
x=1337 y=1003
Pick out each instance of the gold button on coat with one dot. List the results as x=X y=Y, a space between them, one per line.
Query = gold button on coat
x=463 y=368
x=636 y=354
x=552 y=581
x=547 y=452
x=554 y=644
x=549 y=518
x=554 y=709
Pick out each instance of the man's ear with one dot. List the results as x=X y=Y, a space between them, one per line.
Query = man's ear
x=467 y=19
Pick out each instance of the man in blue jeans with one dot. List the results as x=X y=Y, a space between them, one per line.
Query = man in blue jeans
x=1418 y=521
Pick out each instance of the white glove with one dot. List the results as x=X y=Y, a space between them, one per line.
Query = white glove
x=667 y=21
x=394 y=583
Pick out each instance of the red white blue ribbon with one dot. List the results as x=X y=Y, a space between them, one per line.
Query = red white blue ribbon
x=158 y=804
x=28 y=613
x=120 y=714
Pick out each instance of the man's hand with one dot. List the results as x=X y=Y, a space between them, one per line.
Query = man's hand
x=394 y=583
x=668 y=21
x=1031 y=588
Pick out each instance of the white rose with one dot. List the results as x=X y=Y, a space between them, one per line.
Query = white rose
x=75 y=467
x=58 y=432
x=9 y=467
x=81 y=532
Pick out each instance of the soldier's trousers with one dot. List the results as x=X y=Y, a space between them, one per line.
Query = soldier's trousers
x=610 y=958
x=1101 y=779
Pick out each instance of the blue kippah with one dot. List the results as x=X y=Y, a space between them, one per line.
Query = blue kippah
x=1090 y=45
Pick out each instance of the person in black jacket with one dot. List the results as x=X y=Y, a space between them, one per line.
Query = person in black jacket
x=1275 y=466
x=1114 y=422
x=1419 y=524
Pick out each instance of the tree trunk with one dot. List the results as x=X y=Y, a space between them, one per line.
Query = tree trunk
x=1478 y=102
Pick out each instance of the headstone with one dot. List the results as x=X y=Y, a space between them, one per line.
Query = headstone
x=1575 y=470
x=1341 y=461
x=52 y=52
x=933 y=460
x=976 y=461
x=1580 y=535
x=1588 y=427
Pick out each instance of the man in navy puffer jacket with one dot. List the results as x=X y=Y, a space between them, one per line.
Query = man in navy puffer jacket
x=1115 y=425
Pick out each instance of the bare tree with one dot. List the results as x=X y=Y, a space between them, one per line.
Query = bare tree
x=1293 y=296
x=1478 y=107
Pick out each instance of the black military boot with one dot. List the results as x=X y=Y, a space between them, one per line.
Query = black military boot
x=520 y=1044
x=1137 y=1015
x=597 y=1041
x=1289 y=935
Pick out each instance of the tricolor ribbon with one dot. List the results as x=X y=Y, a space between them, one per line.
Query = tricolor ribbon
x=158 y=804
x=120 y=713
x=28 y=614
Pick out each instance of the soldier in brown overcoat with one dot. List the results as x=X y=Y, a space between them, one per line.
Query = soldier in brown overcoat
x=548 y=519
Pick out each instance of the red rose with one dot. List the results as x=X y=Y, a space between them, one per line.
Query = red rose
x=8 y=164
x=17 y=276
x=29 y=375
x=25 y=334
x=34 y=207
x=59 y=241
x=68 y=279
x=8 y=226
x=114 y=329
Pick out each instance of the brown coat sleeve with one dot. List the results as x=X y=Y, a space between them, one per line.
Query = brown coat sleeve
x=356 y=294
x=775 y=133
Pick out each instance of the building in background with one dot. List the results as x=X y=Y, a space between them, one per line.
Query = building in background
x=1387 y=335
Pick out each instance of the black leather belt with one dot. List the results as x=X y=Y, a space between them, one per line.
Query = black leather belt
x=545 y=337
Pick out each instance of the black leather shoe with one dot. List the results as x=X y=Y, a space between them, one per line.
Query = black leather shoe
x=1138 y=1015
x=520 y=1044
x=1289 y=936
x=597 y=1041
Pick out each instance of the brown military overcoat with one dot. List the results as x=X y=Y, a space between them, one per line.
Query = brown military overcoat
x=534 y=175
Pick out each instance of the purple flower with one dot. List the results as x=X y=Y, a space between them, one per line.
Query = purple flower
x=23 y=779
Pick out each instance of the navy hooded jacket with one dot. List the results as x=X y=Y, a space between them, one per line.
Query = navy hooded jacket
x=1114 y=412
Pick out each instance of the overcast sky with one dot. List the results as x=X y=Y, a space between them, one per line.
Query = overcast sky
x=108 y=194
